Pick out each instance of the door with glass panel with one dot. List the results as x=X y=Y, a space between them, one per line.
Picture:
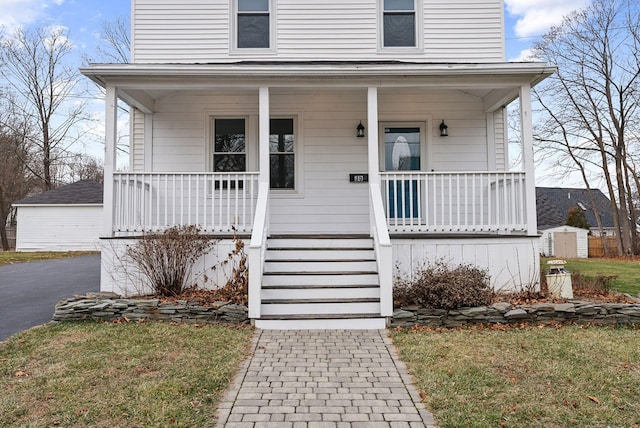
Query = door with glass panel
x=402 y=154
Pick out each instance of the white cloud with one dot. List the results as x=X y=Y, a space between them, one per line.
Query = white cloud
x=537 y=16
x=14 y=13
x=525 y=55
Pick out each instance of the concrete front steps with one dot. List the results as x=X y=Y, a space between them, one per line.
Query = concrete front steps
x=320 y=282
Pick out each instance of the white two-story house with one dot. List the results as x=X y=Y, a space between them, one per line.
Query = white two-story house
x=347 y=141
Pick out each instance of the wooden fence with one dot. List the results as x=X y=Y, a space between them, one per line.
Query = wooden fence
x=596 y=249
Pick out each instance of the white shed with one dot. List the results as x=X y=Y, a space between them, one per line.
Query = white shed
x=68 y=218
x=565 y=241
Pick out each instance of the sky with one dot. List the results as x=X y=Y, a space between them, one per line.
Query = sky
x=525 y=22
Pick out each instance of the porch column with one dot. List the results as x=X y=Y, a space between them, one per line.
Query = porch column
x=372 y=123
x=527 y=158
x=263 y=141
x=111 y=128
x=261 y=221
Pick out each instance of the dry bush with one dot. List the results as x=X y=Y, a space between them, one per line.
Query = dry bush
x=600 y=283
x=236 y=289
x=166 y=259
x=440 y=286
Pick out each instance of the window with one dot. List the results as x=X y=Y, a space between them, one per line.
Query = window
x=229 y=151
x=399 y=23
x=282 y=154
x=253 y=26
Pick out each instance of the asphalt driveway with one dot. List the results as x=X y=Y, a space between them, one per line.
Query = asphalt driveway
x=29 y=291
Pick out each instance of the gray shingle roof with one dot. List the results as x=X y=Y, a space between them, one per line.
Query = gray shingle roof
x=80 y=192
x=553 y=205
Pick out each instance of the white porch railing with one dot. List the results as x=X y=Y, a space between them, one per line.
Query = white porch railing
x=454 y=201
x=215 y=202
x=258 y=250
x=383 y=249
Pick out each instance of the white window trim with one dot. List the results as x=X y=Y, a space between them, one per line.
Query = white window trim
x=424 y=126
x=251 y=142
x=298 y=146
x=419 y=31
x=252 y=149
x=233 y=34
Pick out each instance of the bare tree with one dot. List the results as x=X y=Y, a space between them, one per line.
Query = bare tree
x=591 y=104
x=81 y=166
x=34 y=64
x=116 y=42
x=16 y=181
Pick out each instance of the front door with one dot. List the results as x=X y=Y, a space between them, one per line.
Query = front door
x=402 y=154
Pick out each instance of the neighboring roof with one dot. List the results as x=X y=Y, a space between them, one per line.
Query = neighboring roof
x=553 y=205
x=80 y=192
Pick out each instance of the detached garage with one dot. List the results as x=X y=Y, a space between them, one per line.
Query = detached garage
x=68 y=218
x=565 y=242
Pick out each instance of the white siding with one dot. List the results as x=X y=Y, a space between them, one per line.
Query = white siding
x=464 y=30
x=58 y=228
x=465 y=149
x=512 y=263
x=137 y=140
x=197 y=31
x=328 y=148
x=118 y=275
x=500 y=138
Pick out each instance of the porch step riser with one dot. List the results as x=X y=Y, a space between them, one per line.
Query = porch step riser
x=320 y=267
x=319 y=243
x=320 y=254
x=320 y=293
x=323 y=324
x=320 y=280
x=318 y=309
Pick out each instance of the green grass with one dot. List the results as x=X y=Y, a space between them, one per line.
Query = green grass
x=10 y=257
x=627 y=272
x=530 y=377
x=118 y=375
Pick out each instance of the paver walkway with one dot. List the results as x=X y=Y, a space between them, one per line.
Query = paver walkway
x=323 y=378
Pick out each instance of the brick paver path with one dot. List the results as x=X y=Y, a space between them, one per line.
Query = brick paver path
x=323 y=378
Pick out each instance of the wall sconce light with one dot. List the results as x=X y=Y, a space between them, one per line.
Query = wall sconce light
x=360 y=130
x=443 y=129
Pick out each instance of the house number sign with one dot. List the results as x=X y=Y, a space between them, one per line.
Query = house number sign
x=359 y=178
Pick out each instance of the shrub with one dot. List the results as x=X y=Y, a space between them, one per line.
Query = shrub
x=167 y=258
x=236 y=289
x=440 y=286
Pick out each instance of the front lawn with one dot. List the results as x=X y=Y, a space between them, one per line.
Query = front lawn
x=627 y=272
x=10 y=257
x=118 y=375
x=526 y=377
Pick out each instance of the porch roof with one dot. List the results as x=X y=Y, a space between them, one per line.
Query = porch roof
x=140 y=84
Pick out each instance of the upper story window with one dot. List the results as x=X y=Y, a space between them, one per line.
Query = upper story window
x=253 y=24
x=399 y=23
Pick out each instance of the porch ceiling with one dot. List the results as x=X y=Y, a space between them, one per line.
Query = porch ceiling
x=141 y=84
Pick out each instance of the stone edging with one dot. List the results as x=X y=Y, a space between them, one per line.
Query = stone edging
x=111 y=307
x=505 y=313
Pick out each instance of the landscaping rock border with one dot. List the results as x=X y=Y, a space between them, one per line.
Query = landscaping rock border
x=111 y=307
x=505 y=313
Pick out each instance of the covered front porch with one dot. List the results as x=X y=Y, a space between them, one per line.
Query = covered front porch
x=456 y=187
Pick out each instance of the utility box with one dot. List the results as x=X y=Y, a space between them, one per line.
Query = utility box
x=559 y=280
